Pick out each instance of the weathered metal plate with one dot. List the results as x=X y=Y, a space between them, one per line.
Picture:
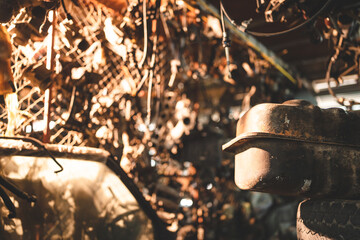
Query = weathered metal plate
x=298 y=149
x=303 y=121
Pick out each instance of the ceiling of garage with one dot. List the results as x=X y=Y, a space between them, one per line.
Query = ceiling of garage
x=297 y=48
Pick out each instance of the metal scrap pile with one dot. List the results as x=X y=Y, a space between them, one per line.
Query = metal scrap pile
x=157 y=96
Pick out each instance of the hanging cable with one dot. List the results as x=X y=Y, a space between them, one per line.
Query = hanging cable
x=342 y=101
x=226 y=41
x=244 y=24
x=155 y=36
x=142 y=61
x=68 y=15
x=151 y=76
x=143 y=79
x=148 y=103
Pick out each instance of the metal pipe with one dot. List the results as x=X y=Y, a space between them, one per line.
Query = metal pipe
x=49 y=65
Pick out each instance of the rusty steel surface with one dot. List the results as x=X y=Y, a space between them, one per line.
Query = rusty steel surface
x=296 y=148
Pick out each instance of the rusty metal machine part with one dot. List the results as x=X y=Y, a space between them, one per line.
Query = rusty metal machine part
x=301 y=120
x=296 y=148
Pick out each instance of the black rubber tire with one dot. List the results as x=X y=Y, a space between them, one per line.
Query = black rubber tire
x=328 y=219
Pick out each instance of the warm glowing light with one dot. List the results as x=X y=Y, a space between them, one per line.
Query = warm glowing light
x=186 y=202
x=180 y=2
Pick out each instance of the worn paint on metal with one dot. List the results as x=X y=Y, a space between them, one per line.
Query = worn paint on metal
x=314 y=153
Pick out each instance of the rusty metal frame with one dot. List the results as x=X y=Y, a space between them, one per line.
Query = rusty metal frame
x=298 y=149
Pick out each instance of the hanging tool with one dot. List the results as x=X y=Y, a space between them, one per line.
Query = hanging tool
x=226 y=41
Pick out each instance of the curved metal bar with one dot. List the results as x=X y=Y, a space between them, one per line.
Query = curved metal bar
x=38 y=144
